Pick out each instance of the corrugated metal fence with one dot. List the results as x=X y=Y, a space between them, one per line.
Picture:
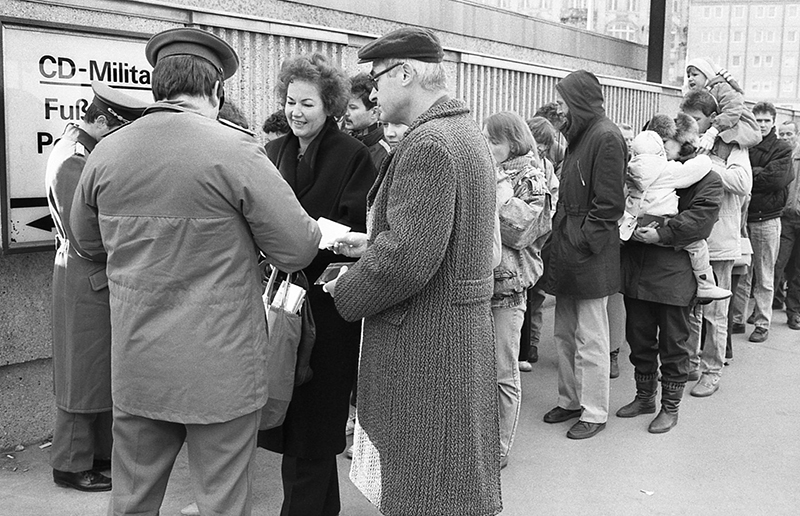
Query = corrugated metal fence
x=488 y=84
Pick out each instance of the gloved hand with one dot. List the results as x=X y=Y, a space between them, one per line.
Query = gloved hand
x=707 y=140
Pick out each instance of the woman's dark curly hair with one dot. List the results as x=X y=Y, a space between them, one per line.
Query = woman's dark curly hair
x=333 y=84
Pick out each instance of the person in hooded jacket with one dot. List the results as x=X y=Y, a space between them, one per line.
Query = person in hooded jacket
x=582 y=265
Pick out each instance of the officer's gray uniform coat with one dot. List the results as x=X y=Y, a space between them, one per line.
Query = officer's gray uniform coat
x=81 y=317
x=183 y=204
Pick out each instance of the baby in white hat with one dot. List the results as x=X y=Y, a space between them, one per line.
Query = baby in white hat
x=734 y=122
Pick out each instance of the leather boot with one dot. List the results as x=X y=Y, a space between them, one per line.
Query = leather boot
x=671 y=394
x=614 y=369
x=645 y=400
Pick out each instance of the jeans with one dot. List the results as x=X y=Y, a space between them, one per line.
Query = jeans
x=765 y=237
x=715 y=315
x=582 y=343
x=508 y=317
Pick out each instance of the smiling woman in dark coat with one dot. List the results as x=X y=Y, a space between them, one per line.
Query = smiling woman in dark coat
x=331 y=173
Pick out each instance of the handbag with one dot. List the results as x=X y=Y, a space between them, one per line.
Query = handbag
x=290 y=341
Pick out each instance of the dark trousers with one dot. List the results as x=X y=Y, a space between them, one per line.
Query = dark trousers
x=78 y=439
x=787 y=266
x=531 y=323
x=657 y=331
x=310 y=486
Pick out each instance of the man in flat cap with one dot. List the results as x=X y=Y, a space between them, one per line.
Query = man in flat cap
x=182 y=203
x=81 y=323
x=427 y=438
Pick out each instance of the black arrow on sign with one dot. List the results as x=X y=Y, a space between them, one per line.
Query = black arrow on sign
x=45 y=223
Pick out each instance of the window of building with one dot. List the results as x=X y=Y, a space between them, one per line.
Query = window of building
x=737 y=36
x=771 y=11
x=787 y=86
x=633 y=5
x=738 y=11
x=577 y=4
x=755 y=86
x=705 y=37
x=756 y=60
x=706 y=12
x=736 y=61
x=791 y=36
x=770 y=36
x=718 y=11
x=718 y=36
x=627 y=31
x=758 y=36
x=791 y=11
x=789 y=61
x=767 y=60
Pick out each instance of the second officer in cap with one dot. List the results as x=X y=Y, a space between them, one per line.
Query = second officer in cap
x=81 y=323
x=182 y=203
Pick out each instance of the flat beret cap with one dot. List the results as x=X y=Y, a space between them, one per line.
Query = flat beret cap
x=408 y=42
x=193 y=42
x=116 y=104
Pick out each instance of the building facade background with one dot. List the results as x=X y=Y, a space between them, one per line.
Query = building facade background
x=758 y=41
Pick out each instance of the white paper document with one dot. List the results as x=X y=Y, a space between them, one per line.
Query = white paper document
x=330 y=231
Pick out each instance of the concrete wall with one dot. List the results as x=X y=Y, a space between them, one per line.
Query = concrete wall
x=494 y=59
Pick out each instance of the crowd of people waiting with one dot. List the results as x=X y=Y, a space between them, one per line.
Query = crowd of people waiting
x=457 y=232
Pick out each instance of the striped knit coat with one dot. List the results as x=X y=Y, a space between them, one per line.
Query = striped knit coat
x=426 y=438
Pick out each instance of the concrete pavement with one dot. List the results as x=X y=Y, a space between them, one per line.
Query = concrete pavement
x=735 y=453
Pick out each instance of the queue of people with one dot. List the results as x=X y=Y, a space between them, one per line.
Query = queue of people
x=457 y=232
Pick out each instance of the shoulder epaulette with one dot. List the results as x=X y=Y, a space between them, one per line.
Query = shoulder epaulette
x=234 y=126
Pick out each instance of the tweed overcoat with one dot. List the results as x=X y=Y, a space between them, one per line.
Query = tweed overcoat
x=427 y=438
x=81 y=314
x=182 y=204
x=342 y=174
x=581 y=258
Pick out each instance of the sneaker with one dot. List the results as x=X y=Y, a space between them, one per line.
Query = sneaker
x=794 y=322
x=191 y=510
x=777 y=304
x=708 y=385
x=759 y=335
x=525 y=367
x=737 y=327
x=752 y=318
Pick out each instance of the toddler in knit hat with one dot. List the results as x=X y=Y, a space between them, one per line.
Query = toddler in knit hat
x=734 y=122
x=651 y=197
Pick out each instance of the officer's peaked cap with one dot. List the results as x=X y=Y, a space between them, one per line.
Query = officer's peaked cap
x=193 y=42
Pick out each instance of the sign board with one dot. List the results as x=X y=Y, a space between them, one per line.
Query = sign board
x=47 y=76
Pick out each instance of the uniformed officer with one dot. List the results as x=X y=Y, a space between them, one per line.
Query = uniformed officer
x=182 y=203
x=81 y=322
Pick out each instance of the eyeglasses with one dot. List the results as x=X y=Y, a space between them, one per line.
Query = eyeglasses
x=374 y=76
